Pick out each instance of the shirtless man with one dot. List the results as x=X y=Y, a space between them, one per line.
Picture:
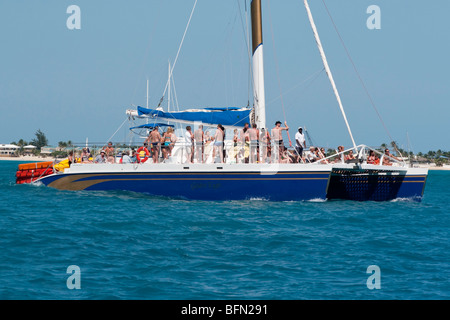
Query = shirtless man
x=155 y=139
x=253 y=135
x=199 y=138
x=277 y=139
x=244 y=132
x=109 y=150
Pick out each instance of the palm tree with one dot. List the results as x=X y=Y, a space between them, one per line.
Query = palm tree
x=22 y=143
x=40 y=140
x=62 y=144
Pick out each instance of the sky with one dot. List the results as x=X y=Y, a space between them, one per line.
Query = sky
x=74 y=84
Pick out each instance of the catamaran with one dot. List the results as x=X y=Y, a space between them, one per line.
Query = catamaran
x=177 y=177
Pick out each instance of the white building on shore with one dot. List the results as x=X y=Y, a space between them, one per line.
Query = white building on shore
x=8 y=150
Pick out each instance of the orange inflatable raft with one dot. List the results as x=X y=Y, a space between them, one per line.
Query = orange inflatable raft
x=29 y=172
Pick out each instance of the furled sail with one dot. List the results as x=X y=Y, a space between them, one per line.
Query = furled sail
x=234 y=117
x=151 y=126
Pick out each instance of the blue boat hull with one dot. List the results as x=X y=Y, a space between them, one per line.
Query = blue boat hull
x=281 y=186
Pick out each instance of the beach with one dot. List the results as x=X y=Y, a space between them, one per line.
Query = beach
x=28 y=158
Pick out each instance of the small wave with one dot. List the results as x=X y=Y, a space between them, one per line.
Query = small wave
x=37 y=184
x=317 y=200
x=258 y=199
x=409 y=199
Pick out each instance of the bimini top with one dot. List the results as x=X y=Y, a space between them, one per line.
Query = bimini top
x=235 y=117
x=152 y=125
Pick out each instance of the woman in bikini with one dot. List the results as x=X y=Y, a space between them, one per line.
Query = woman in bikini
x=166 y=142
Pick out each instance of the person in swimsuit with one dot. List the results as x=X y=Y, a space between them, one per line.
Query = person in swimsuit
x=253 y=135
x=218 y=143
x=277 y=139
x=85 y=155
x=387 y=158
x=372 y=158
x=350 y=156
x=166 y=140
x=109 y=150
x=155 y=139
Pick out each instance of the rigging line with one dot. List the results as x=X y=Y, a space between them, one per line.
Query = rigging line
x=313 y=76
x=357 y=73
x=118 y=129
x=179 y=49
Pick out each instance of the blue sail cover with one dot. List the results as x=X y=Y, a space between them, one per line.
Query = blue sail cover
x=152 y=125
x=235 y=117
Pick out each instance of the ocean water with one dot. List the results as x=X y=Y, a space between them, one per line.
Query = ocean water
x=131 y=246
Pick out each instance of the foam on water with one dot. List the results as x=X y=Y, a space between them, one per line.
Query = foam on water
x=317 y=200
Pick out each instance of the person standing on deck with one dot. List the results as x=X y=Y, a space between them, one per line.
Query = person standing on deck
x=188 y=139
x=109 y=150
x=264 y=144
x=253 y=135
x=300 y=141
x=218 y=143
x=245 y=140
x=155 y=139
x=199 y=140
x=277 y=139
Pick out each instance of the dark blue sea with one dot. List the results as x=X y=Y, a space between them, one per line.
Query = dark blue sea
x=131 y=246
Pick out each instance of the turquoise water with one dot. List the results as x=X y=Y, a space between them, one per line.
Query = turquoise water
x=130 y=246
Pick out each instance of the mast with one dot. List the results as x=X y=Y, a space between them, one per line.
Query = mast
x=327 y=69
x=259 y=100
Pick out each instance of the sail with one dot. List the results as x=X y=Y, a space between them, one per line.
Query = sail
x=258 y=65
x=235 y=117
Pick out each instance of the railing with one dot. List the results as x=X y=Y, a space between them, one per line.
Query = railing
x=361 y=156
x=180 y=153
